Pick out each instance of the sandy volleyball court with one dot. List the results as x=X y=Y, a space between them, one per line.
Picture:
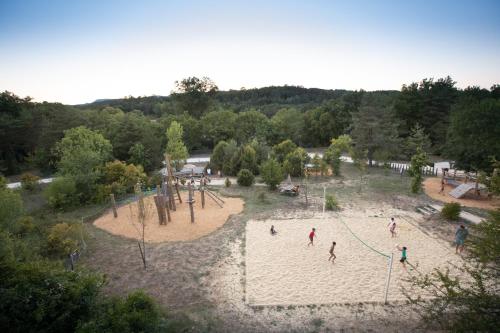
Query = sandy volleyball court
x=207 y=220
x=283 y=270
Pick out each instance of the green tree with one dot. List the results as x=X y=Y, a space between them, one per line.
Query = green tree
x=288 y=124
x=195 y=95
x=11 y=208
x=418 y=161
x=359 y=157
x=374 y=130
x=327 y=121
x=251 y=124
x=217 y=157
x=332 y=155
x=175 y=146
x=417 y=139
x=138 y=155
x=282 y=149
x=231 y=158
x=295 y=162
x=429 y=104
x=474 y=132
x=248 y=159
x=218 y=126
x=272 y=173
x=62 y=193
x=82 y=153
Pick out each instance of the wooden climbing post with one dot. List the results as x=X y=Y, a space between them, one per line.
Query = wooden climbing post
x=202 y=191
x=177 y=190
x=191 y=201
x=113 y=205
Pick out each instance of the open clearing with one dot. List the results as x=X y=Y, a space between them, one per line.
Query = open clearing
x=209 y=278
x=283 y=270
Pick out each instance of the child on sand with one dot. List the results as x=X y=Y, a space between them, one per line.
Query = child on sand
x=392 y=227
x=332 y=255
x=312 y=234
x=460 y=236
x=403 y=255
x=273 y=232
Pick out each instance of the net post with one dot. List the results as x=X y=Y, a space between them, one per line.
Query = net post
x=324 y=200
x=389 y=271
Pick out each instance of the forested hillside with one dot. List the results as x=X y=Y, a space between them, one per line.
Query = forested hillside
x=136 y=126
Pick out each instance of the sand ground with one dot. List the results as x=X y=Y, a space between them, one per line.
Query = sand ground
x=207 y=219
x=432 y=186
x=283 y=270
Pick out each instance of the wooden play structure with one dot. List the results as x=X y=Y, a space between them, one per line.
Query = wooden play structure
x=167 y=194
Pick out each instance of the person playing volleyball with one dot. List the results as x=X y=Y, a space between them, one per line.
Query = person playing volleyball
x=312 y=234
x=392 y=227
x=332 y=255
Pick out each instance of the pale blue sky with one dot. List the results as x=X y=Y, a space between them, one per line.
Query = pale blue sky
x=78 y=51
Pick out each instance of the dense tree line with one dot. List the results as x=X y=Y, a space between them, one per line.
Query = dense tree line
x=379 y=122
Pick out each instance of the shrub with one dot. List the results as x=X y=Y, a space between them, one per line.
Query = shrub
x=271 y=173
x=136 y=313
x=227 y=182
x=331 y=203
x=3 y=183
x=62 y=193
x=62 y=239
x=29 y=181
x=451 y=211
x=123 y=177
x=245 y=177
x=11 y=207
x=24 y=225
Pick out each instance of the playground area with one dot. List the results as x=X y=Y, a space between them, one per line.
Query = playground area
x=207 y=219
x=432 y=187
x=283 y=270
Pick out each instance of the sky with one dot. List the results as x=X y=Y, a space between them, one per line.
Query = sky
x=82 y=50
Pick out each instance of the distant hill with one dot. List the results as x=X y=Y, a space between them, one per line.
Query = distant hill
x=268 y=99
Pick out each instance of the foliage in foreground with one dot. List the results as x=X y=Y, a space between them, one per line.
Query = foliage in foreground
x=471 y=302
x=38 y=294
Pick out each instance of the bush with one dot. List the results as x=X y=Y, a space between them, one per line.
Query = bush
x=451 y=211
x=29 y=181
x=136 y=313
x=11 y=207
x=331 y=203
x=271 y=173
x=24 y=225
x=227 y=182
x=62 y=193
x=62 y=239
x=3 y=183
x=123 y=177
x=245 y=177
